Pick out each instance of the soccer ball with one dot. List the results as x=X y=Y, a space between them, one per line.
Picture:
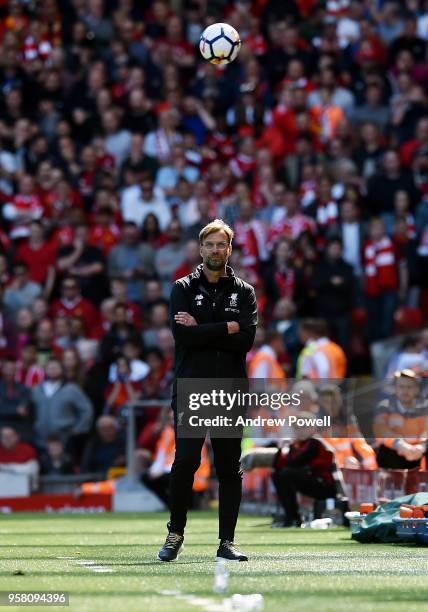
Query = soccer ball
x=219 y=43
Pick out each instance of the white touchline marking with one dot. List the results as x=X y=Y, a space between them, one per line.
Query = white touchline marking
x=86 y=562
x=90 y=565
x=96 y=567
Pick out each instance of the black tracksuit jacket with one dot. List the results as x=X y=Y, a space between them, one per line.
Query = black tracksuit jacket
x=206 y=350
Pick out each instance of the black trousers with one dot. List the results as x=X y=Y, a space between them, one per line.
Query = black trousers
x=290 y=481
x=227 y=455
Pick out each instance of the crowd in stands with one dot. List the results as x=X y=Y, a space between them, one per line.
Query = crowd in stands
x=118 y=143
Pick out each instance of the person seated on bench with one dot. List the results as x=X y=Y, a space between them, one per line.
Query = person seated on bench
x=401 y=424
x=307 y=467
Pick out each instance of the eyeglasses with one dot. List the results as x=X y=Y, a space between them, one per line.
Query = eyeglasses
x=210 y=246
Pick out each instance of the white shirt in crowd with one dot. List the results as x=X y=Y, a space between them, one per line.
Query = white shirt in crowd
x=7 y=164
x=50 y=387
x=119 y=145
x=351 y=246
x=135 y=209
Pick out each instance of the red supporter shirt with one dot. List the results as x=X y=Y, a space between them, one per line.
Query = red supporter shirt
x=291 y=226
x=250 y=237
x=407 y=152
x=222 y=143
x=221 y=189
x=22 y=453
x=55 y=207
x=38 y=260
x=256 y=43
x=123 y=395
x=63 y=236
x=28 y=204
x=380 y=266
x=81 y=308
x=241 y=165
x=104 y=238
x=106 y=162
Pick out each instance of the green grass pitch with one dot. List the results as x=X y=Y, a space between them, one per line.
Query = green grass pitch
x=108 y=562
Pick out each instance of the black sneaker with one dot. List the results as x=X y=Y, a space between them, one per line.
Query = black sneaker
x=172 y=547
x=228 y=551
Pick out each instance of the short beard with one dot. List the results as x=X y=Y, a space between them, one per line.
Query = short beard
x=215 y=267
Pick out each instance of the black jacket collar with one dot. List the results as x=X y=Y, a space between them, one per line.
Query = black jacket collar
x=198 y=276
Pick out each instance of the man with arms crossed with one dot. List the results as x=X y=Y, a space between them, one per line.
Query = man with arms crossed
x=213 y=318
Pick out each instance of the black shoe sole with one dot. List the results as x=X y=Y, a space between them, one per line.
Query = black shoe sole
x=171 y=560
x=230 y=560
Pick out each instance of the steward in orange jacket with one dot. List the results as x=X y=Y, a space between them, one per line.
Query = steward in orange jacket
x=265 y=362
x=401 y=425
x=321 y=358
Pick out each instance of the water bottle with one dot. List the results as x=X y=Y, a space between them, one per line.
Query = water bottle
x=221 y=577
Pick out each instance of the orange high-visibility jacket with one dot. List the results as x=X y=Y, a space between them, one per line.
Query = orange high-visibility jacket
x=265 y=361
x=392 y=422
x=348 y=441
x=323 y=359
x=353 y=447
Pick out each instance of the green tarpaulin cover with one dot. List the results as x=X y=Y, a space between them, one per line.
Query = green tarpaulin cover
x=378 y=525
